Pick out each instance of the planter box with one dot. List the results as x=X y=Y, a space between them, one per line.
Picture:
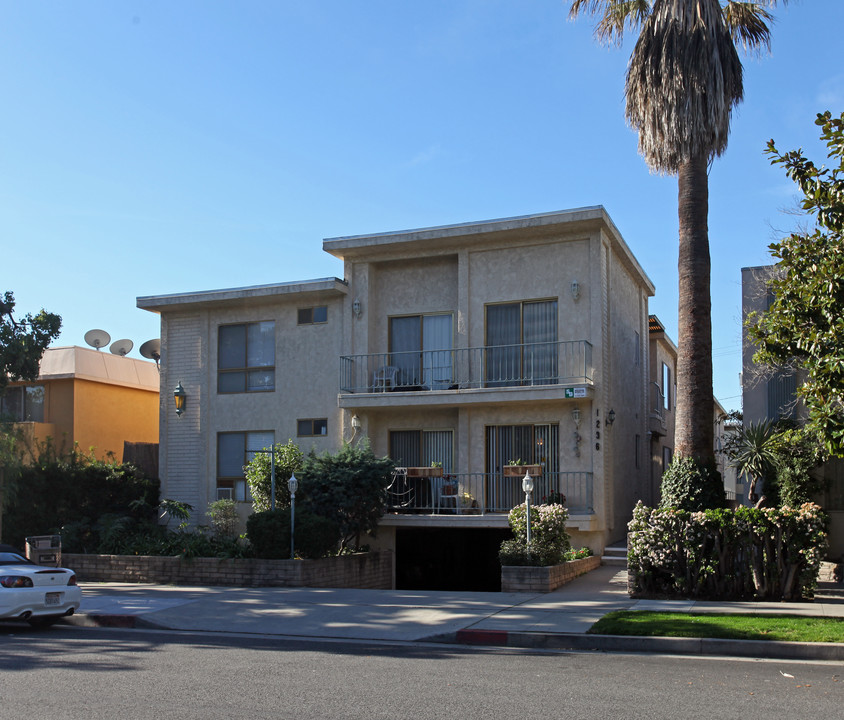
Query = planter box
x=373 y=570
x=520 y=470
x=519 y=578
x=424 y=472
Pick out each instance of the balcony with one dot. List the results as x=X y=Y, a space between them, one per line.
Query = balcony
x=501 y=366
x=484 y=493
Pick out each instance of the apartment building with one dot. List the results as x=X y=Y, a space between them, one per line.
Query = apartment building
x=470 y=354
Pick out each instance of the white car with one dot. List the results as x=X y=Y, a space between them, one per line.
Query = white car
x=39 y=595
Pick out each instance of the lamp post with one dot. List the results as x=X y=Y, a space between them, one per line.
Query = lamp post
x=527 y=486
x=292 y=484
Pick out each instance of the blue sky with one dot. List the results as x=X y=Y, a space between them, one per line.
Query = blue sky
x=157 y=147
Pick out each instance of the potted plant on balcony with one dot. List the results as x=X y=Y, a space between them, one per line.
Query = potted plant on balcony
x=435 y=470
x=518 y=468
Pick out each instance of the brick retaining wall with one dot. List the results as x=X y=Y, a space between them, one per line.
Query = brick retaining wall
x=517 y=578
x=374 y=570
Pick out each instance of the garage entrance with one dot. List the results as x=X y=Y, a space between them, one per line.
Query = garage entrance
x=449 y=558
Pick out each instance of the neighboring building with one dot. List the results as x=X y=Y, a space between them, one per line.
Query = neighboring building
x=95 y=399
x=465 y=346
x=773 y=396
x=662 y=390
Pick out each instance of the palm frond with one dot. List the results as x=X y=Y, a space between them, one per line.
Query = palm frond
x=749 y=24
x=616 y=16
x=683 y=79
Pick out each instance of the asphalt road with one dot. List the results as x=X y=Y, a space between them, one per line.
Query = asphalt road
x=73 y=672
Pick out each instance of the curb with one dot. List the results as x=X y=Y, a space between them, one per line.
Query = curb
x=665 y=645
x=114 y=621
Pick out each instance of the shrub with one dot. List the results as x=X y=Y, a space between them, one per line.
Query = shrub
x=747 y=552
x=549 y=539
x=75 y=489
x=269 y=534
x=224 y=518
x=688 y=485
x=348 y=487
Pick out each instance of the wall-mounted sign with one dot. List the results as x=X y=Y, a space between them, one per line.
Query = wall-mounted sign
x=575 y=392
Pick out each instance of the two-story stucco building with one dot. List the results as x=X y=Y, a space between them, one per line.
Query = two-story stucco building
x=457 y=350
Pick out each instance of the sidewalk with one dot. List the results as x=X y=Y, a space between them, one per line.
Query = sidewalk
x=554 y=620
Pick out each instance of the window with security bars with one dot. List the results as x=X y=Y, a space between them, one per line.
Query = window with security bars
x=234 y=450
x=422 y=448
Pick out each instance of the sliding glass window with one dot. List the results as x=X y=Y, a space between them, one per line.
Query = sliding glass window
x=521 y=341
x=420 y=347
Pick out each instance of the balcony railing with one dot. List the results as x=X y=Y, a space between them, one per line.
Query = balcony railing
x=485 y=493
x=527 y=364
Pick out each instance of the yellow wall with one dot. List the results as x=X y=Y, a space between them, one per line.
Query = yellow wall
x=104 y=416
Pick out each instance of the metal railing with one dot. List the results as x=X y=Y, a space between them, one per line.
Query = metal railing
x=484 y=493
x=526 y=364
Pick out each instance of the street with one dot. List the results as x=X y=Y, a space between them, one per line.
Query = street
x=74 y=672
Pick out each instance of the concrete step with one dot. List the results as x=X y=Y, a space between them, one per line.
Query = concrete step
x=615 y=555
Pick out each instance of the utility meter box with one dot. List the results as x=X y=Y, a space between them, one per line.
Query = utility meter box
x=45 y=550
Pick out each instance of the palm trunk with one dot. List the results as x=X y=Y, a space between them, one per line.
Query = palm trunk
x=694 y=428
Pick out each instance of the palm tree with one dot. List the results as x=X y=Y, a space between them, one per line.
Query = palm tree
x=683 y=80
x=753 y=452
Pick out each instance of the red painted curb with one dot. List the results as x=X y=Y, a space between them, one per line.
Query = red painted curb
x=482 y=637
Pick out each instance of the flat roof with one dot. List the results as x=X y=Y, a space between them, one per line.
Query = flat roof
x=440 y=237
x=74 y=362
x=252 y=293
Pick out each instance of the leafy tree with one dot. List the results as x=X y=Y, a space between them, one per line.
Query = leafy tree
x=683 y=79
x=288 y=460
x=348 y=487
x=804 y=326
x=798 y=453
x=23 y=342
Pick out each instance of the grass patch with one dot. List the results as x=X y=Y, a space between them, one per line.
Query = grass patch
x=791 y=628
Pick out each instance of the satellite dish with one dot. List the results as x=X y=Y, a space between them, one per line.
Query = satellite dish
x=121 y=347
x=151 y=350
x=97 y=338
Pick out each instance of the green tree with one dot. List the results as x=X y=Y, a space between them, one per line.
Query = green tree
x=348 y=487
x=23 y=342
x=683 y=79
x=804 y=326
x=288 y=460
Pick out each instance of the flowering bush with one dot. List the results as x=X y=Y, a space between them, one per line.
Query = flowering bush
x=767 y=553
x=549 y=539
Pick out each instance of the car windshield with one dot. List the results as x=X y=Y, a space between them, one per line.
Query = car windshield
x=9 y=558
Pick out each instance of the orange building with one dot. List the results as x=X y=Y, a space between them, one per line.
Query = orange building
x=92 y=398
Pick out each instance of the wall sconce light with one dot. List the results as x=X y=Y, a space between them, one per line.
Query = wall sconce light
x=356 y=423
x=357 y=309
x=575 y=290
x=575 y=415
x=181 y=398
x=610 y=417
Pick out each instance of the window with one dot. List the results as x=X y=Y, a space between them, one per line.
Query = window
x=667 y=454
x=23 y=404
x=532 y=444
x=246 y=357
x=421 y=448
x=317 y=426
x=234 y=450
x=420 y=348
x=665 y=386
x=521 y=340
x=312 y=315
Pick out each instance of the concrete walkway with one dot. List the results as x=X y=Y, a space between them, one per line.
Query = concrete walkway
x=554 y=620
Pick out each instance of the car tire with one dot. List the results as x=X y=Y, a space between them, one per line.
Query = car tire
x=43 y=621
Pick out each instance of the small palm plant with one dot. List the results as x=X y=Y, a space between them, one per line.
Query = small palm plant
x=752 y=452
